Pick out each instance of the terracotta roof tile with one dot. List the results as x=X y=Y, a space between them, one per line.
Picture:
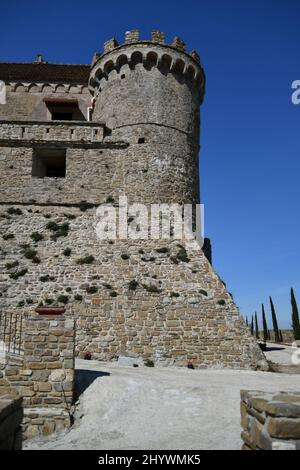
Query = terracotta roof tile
x=44 y=72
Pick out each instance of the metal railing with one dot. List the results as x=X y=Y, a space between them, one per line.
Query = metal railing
x=11 y=333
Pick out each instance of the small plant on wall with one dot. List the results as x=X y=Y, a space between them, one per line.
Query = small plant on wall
x=36 y=236
x=86 y=260
x=64 y=299
x=92 y=289
x=133 y=285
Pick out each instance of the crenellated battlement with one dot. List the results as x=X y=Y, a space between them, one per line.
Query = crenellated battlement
x=169 y=58
x=133 y=36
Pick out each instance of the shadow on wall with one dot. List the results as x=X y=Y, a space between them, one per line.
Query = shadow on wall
x=83 y=379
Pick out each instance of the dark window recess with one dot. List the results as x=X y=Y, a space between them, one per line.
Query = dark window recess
x=62 y=116
x=49 y=163
x=64 y=110
x=141 y=140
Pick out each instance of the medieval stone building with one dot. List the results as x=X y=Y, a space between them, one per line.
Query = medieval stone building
x=75 y=137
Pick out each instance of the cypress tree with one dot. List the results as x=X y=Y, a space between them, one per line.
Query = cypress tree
x=252 y=326
x=256 y=327
x=280 y=336
x=247 y=321
x=264 y=322
x=295 y=316
x=274 y=321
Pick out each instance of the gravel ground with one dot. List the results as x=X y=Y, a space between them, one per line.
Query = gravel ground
x=162 y=408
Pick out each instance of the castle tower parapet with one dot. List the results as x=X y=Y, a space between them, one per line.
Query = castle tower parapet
x=149 y=93
x=147 y=81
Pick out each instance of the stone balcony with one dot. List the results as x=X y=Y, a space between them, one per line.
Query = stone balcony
x=44 y=133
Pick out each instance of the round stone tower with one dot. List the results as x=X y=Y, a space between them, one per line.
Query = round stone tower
x=149 y=93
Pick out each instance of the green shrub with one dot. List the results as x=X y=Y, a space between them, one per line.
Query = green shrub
x=49 y=301
x=67 y=251
x=133 y=285
x=45 y=278
x=113 y=293
x=29 y=253
x=125 y=256
x=64 y=299
x=141 y=251
x=12 y=265
x=47 y=216
x=174 y=294
x=21 y=303
x=86 y=260
x=78 y=297
x=149 y=363
x=36 y=236
x=68 y=289
x=29 y=301
x=151 y=288
x=70 y=216
x=108 y=286
x=52 y=226
x=92 y=289
x=36 y=260
x=221 y=302
x=110 y=200
x=18 y=274
x=8 y=236
x=182 y=255
x=24 y=246
x=60 y=230
x=14 y=211
x=163 y=249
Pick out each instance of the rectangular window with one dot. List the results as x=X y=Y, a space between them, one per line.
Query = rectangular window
x=49 y=163
x=64 y=110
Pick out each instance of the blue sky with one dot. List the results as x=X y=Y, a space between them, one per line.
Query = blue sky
x=250 y=129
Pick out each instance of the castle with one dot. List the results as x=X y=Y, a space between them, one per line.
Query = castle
x=75 y=137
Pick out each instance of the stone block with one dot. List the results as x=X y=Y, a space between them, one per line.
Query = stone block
x=132 y=36
x=285 y=428
x=57 y=375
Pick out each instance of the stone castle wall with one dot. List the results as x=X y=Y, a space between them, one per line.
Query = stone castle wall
x=43 y=375
x=26 y=101
x=98 y=167
x=179 y=309
x=155 y=299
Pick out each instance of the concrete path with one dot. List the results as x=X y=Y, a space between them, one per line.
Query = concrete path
x=160 y=408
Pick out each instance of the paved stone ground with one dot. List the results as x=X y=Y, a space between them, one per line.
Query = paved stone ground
x=161 y=408
x=280 y=353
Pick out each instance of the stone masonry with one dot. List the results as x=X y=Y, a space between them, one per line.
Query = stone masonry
x=43 y=375
x=270 y=421
x=153 y=299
